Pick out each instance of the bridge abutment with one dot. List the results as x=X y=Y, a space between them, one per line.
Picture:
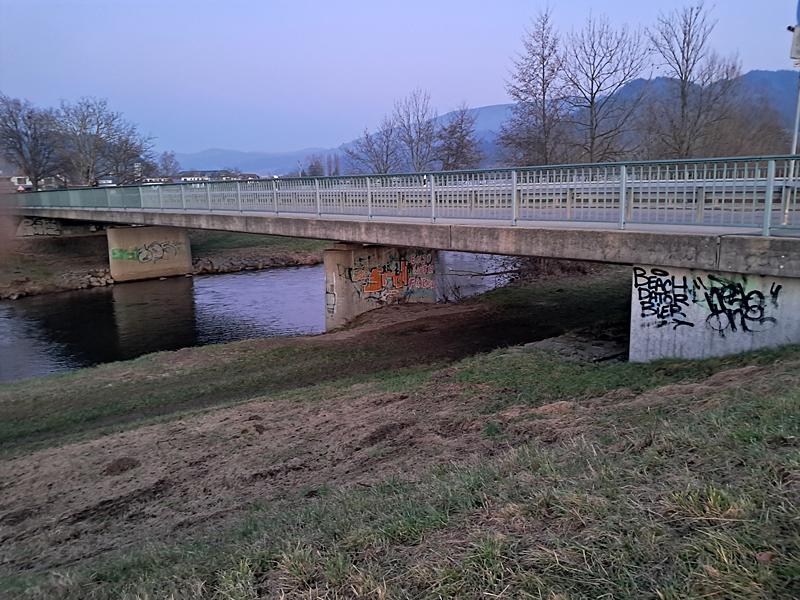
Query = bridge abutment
x=136 y=253
x=683 y=313
x=362 y=278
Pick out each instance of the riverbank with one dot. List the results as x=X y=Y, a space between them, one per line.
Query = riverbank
x=412 y=455
x=43 y=265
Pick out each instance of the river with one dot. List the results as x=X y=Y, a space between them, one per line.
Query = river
x=69 y=330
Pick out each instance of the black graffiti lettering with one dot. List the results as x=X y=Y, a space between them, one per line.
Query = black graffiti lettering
x=662 y=296
x=731 y=308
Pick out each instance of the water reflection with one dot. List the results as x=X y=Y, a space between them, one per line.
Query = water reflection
x=61 y=332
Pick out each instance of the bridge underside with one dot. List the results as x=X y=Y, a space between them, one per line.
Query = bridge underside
x=710 y=249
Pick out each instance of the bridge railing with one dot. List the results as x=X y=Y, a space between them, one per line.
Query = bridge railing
x=751 y=191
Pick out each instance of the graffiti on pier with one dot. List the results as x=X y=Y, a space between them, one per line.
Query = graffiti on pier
x=398 y=278
x=724 y=304
x=731 y=307
x=35 y=227
x=662 y=297
x=330 y=297
x=147 y=253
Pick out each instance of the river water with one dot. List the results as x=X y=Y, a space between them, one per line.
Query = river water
x=61 y=332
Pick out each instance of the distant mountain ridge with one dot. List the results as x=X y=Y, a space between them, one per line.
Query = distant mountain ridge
x=777 y=88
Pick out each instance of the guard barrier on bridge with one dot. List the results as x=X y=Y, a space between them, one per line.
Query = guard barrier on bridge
x=747 y=192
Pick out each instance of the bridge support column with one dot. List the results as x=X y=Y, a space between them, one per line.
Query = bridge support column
x=681 y=313
x=148 y=252
x=361 y=278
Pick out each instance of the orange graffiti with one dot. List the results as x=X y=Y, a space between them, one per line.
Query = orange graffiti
x=378 y=279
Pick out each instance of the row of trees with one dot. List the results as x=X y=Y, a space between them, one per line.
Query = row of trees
x=588 y=96
x=413 y=138
x=78 y=143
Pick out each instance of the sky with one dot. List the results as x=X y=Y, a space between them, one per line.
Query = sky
x=280 y=75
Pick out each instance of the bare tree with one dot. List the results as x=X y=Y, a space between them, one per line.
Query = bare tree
x=333 y=165
x=416 y=129
x=701 y=83
x=535 y=132
x=97 y=142
x=87 y=127
x=599 y=62
x=29 y=139
x=168 y=165
x=456 y=145
x=127 y=156
x=314 y=166
x=329 y=168
x=751 y=127
x=377 y=152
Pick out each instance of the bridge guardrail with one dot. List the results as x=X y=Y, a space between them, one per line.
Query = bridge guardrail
x=749 y=191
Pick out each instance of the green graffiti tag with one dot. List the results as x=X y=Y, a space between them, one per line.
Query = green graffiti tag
x=147 y=253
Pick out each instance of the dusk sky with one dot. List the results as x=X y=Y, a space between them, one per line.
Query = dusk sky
x=282 y=75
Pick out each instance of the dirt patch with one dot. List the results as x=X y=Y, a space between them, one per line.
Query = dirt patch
x=120 y=465
x=583 y=346
x=63 y=505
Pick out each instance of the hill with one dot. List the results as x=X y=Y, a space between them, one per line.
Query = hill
x=777 y=88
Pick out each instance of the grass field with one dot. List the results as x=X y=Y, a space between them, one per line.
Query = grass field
x=471 y=473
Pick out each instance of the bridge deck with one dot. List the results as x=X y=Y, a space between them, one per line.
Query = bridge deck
x=704 y=214
x=714 y=248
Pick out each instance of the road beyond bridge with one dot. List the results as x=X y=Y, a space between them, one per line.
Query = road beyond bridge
x=714 y=244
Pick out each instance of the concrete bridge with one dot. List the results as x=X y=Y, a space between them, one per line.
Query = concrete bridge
x=714 y=244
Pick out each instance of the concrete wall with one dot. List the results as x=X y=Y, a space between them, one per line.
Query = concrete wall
x=148 y=252
x=696 y=314
x=362 y=278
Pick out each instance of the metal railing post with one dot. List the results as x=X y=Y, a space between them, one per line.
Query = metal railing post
x=369 y=199
x=275 y=195
x=141 y=199
x=239 y=196
x=570 y=201
x=208 y=195
x=108 y=198
x=623 y=184
x=160 y=199
x=316 y=196
x=767 y=221
x=433 y=198
x=183 y=197
x=514 y=202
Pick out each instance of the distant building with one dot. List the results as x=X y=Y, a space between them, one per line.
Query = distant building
x=21 y=181
x=214 y=175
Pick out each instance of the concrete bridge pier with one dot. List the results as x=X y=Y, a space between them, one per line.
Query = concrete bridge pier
x=360 y=278
x=683 y=313
x=148 y=252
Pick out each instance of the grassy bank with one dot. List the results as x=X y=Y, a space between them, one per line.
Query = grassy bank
x=156 y=386
x=391 y=471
